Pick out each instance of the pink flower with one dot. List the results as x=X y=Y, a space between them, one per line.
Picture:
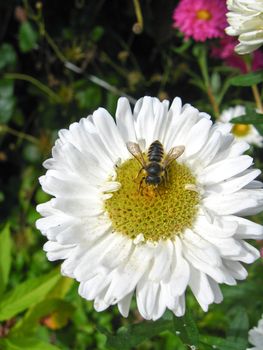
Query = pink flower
x=201 y=19
x=227 y=53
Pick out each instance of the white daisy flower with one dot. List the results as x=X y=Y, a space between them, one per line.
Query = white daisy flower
x=255 y=336
x=243 y=132
x=119 y=237
x=246 y=21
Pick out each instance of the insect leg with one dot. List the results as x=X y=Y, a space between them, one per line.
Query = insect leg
x=157 y=189
x=139 y=172
x=140 y=185
x=165 y=177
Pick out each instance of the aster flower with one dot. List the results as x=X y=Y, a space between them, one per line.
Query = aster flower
x=256 y=336
x=244 y=132
x=117 y=240
x=200 y=19
x=245 y=20
x=226 y=52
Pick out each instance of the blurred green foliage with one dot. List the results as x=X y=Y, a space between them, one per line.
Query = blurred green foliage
x=58 y=62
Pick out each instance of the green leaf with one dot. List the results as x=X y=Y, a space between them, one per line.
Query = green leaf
x=61 y=288
x=27 y=294
x=181 y=49
x=200 y=52
x=251 y=117
x=216 y=82
x=259 y=128
x=247 y=79
x=223 y=91
x=186 y=328
x=238 y=328
x=131 y=336
x=5 y=257
x=219 y=343
x=97 y=33
x=89 y=98
x=7 y=100
x=7 y=55
x=31 y=153
x=6 y=88
x=26 y=343
x=27 y=37
x=45 y=308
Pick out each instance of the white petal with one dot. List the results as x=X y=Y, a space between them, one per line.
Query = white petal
x=144 y=118
x=161 y=120
x=180 y=309
x=160 y=305
x=119 y=254
x=78 y=207
x=204 y=257
x=86 y=166
x=72 y=234
x=230 y=204
x=146 y=293
x=92 y=141
x=92 y=257
x=218 y=296
x=56 y=251
x=67 y=188
x=246 y=228
x=208 y=152
x=94 y=286
x=180 y=125
x=201 y=288
x=186 y=121
x=254 y=184
x=234 y=184
x=219 y=228
x=125 y=121
x=248 y=254
x=224 y=169
x=180 y=274
x=162 y=261
x=236 y=269
x=110 y=135
x=197 y=137
x=231 y=148
x=124 y=305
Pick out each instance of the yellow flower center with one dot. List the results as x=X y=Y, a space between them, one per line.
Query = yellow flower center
x=157 y=214
x=241 y=130
x=204 y=15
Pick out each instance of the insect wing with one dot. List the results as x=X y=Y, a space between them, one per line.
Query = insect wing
x=173 y=154
x=135 y=150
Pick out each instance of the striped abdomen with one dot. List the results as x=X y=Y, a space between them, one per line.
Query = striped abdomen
x=155 y=152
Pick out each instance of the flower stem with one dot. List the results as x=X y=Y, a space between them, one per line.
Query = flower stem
x=138 y=26
x=71 y=66
x=19 y=134
x=257 y=98
x=213 y=101
x=35 y=82
x=202 y=61
x=254 y=87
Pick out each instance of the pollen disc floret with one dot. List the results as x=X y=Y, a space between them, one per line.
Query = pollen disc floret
x=157 y=214
x=119 y=240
